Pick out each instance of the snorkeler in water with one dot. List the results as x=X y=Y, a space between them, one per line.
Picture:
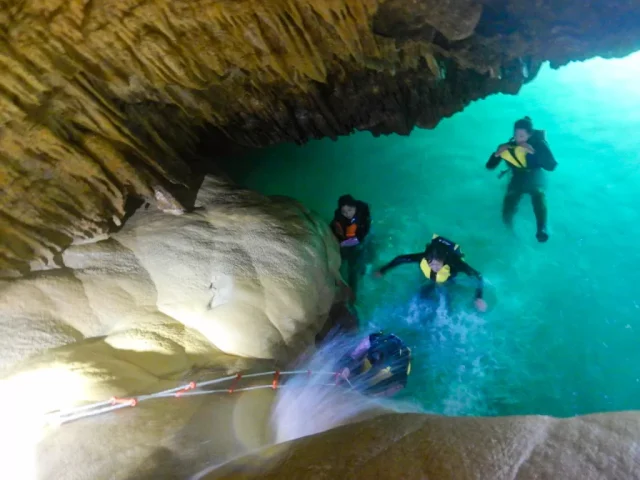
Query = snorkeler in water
x=379 y=365
x=440 y=263
x=350 y=225
x=527 y=155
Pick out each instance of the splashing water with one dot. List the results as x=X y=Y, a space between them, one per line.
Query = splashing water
x=310 y=405
x=314 y=403
x=451 y=378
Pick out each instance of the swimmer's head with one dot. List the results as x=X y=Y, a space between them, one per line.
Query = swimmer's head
x=436 y=257
x=522 y=130
x=347 y=205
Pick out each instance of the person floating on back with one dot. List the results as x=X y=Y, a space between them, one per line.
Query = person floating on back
x=440 y=263
x=351 y=224
x=527 y=154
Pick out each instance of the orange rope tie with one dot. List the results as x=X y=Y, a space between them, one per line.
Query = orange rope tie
x=276 y=377
x=191 y=386
x=132 y=402
x=235 y=382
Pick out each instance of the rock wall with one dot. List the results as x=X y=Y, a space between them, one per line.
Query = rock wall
x=241 y=284
x=416 y=447
x=103 y=101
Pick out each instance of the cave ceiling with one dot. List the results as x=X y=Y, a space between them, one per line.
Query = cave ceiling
x=102 y=101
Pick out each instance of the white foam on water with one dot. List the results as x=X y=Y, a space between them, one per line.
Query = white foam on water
x=451 y=350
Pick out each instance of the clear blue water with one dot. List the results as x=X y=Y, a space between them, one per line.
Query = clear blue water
x=562 y=336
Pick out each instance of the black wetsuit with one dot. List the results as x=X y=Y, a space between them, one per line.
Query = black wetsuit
x=528 y=180
x=355 y=256
x=456 y=265
x=386 y=351
x=362 y=220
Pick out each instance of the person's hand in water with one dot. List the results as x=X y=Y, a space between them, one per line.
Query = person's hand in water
x=481 y=305
x=350 y=242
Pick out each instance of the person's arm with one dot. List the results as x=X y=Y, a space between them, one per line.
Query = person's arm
x=351 y=362
x=465 y=268
x=400 y=259
x=337 y=230
x=544 y=157
x=495 y=158
x=493 y=161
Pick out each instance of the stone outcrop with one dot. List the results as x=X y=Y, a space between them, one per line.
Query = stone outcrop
x=101 y=102
x=241 y=284
x=416 y=447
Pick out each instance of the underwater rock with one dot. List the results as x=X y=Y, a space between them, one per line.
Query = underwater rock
x=243 y=283
x=104 y=101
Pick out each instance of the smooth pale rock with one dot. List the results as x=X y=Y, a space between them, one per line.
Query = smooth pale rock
x=240 y=262
x=414 y=446
x=241 y=284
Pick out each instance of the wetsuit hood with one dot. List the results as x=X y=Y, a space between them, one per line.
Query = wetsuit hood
x=347 y=200
x=442 y=249
x=539 y=135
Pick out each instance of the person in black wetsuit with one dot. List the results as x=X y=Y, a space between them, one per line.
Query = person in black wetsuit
x=379 y=365
x=441 y=262
x=527 y=155
x=351 y=224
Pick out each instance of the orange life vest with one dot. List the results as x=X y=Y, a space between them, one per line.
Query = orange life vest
x=351 y=230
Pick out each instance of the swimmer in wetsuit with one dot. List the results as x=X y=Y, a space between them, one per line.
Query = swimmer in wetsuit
x=527 y=155
x=379 y=365
x=440 y=263
x=350 y=225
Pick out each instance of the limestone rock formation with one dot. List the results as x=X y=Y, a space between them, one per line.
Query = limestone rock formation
x=416 y=447
x=243 y=283
x=104 y=101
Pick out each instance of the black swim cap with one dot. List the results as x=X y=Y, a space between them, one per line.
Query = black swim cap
x=437 y=251
x=346 y=200
x=439 y=248
x=525 y=124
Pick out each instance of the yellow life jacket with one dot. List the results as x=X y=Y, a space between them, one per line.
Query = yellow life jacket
x=516 y=156
x=440 y=277
x=445 y=272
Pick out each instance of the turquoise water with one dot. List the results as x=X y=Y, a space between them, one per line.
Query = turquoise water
x=562 y=336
